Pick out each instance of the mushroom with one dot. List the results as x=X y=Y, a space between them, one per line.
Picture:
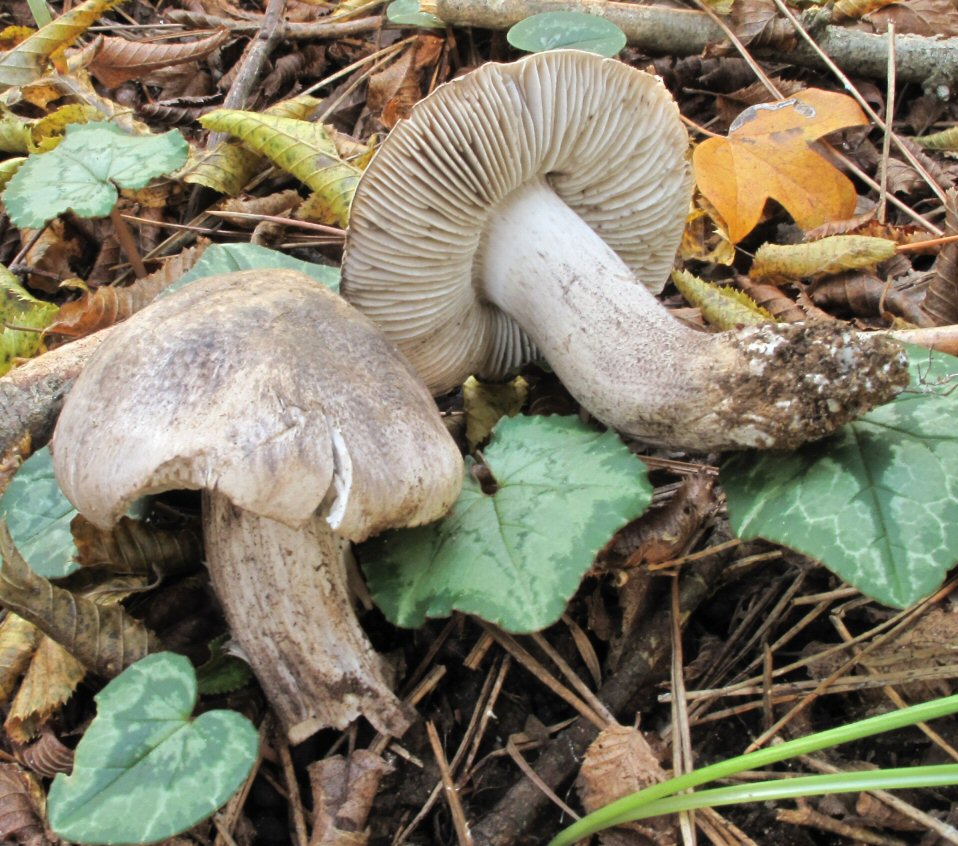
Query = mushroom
x=305 y=429
x=536 y=208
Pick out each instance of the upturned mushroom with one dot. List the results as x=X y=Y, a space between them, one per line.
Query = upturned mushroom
x=536 y=208
x=305 y=429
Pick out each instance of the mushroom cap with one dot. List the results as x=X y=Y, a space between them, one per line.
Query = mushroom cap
x=606 y=137
x=272 y=390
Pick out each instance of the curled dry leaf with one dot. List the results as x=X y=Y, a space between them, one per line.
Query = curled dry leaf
x=138 y=548
x=820 y=258
x=120 y=59
x=47 y=756
x=620 y=761
x=50 y=681
x=103 y=637
x=767 y=155
x=773 y=299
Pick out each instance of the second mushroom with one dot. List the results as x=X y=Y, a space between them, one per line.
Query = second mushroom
x=535 y=208
x=305 y=429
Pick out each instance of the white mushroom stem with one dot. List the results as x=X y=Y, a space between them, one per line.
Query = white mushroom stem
x=636 y=368
x=286 y=598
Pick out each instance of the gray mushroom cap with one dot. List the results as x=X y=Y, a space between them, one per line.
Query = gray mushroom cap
x=271 y=390
x=606 y=138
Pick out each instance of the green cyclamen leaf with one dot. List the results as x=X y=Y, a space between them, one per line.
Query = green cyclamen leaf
x=38 y=516
x=566 y=30
x=516 y=556
x=82 y=172
x=145 y=770
x=225 y=258
x=876 y=503
x=407 y=13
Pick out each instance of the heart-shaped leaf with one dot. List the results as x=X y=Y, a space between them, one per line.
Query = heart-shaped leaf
x=566 y=30
x=146 y=770
x=876 y=503
x=38 y=516
x=83 y=172
x=513 y=556
x=407 y=13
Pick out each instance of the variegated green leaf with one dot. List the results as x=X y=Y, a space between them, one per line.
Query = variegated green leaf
x=22 y=319
x=145 y=769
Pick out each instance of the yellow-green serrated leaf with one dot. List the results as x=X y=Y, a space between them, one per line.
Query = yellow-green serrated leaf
x=230 y=166
x=486 y=404
x=27 y=61
x=946 y=140
x=14 y=133
x=18 y=640
x=227 y=168
x=48 y=132
x=302 y=149
x=7 y=169
x=19 y=308
x=50 y=681
x=721 y=305
x=820 y=258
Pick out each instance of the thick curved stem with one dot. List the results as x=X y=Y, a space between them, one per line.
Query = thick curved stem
x=636 y=368
x=286 y=598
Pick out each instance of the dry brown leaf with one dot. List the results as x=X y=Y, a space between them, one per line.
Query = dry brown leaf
x=22 y=807
x=845 y=9
x=50 y=681
x=917 y=17
x=103 y=637
x=343 y=793
x=120 y=59
x=767 y=155
x=773 y=299
x=620 y=761
x=758 y=23
x=820 y=258
x=860 y=294
x=941 y=297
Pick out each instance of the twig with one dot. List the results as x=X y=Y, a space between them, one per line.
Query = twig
x=663 y=30
x=449 y=787
x=889 y=121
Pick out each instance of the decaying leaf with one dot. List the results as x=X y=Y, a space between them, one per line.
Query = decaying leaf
x=343 y=793
x=50 y=681
x=722 y=306
x=767 y=155
x=103 y=637
x=857 y=8
x=820 y=258
x=773 y=299
x=120 y=59
x=47 y=132
x=485 y=404
x=14 y=132
x=28 y=60
x=47 y=756
x=620 y=761
x=299 y=147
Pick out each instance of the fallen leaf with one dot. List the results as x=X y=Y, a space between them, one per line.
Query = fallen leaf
x=767 y=156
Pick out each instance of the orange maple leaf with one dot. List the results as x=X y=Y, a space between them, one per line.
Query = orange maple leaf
x=767 y=155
